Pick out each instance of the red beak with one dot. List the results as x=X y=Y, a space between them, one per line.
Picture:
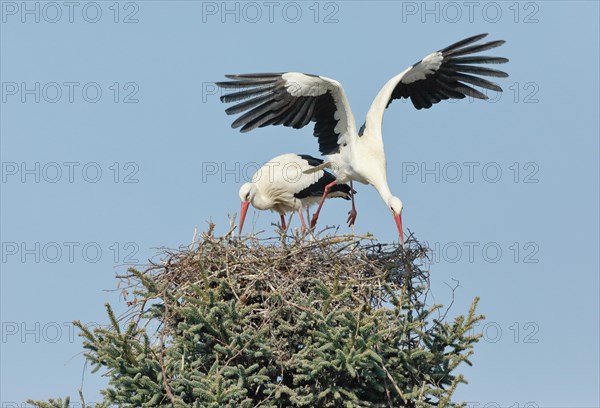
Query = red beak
x=243 y=212
x=398 y=219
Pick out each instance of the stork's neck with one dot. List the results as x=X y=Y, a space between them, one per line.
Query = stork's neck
x=260 y=201
x=380 y=103
x=383 y=189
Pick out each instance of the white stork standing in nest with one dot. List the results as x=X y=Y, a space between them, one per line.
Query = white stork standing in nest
x=289 y=183
x=294 y=99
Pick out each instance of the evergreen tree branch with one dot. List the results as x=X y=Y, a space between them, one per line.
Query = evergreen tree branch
x=253 y=322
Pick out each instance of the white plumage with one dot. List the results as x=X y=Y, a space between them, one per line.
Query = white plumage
x=288 y=183
x=294 y=99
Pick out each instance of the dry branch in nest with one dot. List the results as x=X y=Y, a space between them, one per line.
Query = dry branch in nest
x=261 y=270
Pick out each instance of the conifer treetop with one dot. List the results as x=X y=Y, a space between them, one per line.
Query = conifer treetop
x=331 y=321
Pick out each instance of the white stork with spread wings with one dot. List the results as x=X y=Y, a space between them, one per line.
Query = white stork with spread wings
x=294 y=99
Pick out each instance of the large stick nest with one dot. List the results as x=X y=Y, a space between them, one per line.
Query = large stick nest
x=258 y=270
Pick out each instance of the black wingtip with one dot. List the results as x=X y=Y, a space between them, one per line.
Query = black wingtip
x=494 y=44
x=464 y=42
x=473 y=38
x=245 y=128
x=472 y=49
x=256 y=76
x=227 y=84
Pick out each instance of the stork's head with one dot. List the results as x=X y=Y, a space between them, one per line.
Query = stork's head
x=396 y=207
x=247 y=193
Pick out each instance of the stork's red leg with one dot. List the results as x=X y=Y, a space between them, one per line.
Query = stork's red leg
x=282 y=221
x=302 y=221
x=352 y=213
x=315 y=217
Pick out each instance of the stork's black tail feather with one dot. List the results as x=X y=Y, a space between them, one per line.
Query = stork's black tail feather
x=344 y=189
x=317 y=189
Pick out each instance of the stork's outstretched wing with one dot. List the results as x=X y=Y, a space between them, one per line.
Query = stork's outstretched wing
x=292 y=99
x=441 y=75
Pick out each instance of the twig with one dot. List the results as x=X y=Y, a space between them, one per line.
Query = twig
x=400 y=394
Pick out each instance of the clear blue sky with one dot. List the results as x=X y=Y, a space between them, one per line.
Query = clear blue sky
x=506 y=190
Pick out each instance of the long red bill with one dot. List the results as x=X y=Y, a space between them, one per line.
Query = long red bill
x=398 y=219
x=243 y=212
